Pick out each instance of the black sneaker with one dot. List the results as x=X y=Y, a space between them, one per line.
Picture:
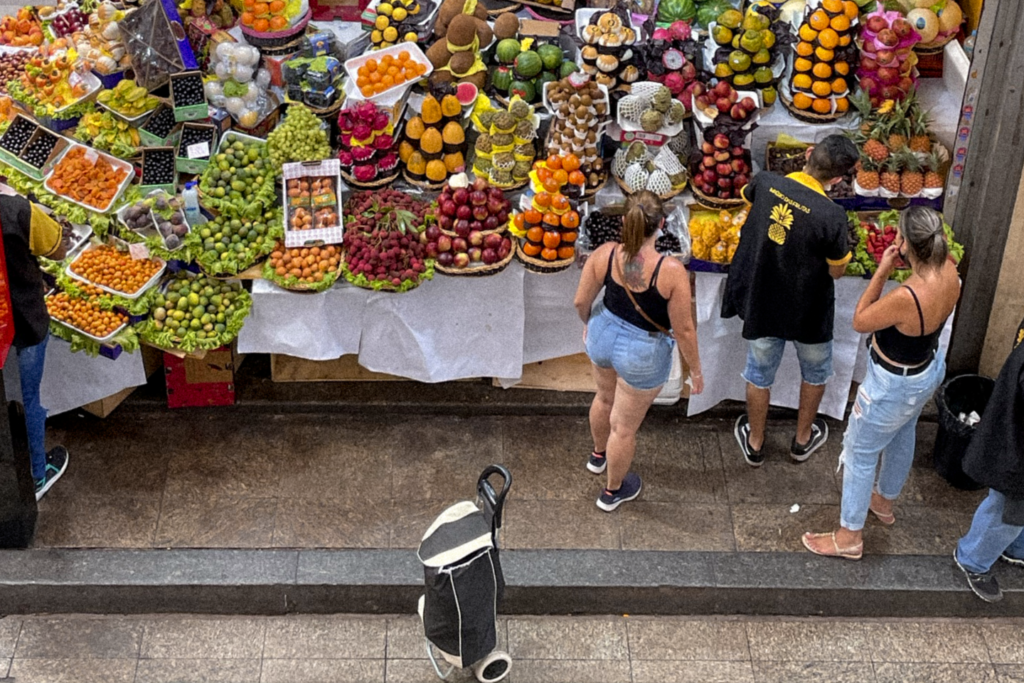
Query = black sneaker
x=629 y=490
x=56 y=463
x=742 y=432
x=1015 y=561
x=597 y=463
x=819 y=435
x=984 y=585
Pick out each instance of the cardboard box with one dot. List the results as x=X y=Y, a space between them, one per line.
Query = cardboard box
x=198 y=382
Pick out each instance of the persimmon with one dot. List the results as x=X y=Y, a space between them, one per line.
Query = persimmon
x=542 y=200
x=551 y=219
x=566 y=252
x=535 y=234
x=533 y=216
x=571 y=220
x=549 y=254
x=554 y=162
x=552 y=239
x=531 y=249
x=571 y=163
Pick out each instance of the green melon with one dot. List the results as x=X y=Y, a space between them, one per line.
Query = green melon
x=528 y=64
x=551 y=56
x=524 y=89
x=501 y=79
x=507 y=50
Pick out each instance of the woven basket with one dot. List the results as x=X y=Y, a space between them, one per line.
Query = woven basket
x=424 y=184
x=809 y=116
x=935 y=48
x=302 y=287
x=503 y=8
x=481 y=271
x=276 y=38
x=345 y=273
x=537 y=265
x=333 y=109
x=665 y=197
x=714 y=203
x=374 y=185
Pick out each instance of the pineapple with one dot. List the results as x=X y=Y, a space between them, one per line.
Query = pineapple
x=933 y=179
x=898 y=127
x=890 y=178
x=920 y=140
x=911 y=179
x=876 y=150
x=868 y=121
x=867 y=174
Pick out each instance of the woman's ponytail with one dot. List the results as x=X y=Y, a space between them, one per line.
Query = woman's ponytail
x=644 y=212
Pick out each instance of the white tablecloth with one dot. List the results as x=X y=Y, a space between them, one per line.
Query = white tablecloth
x=446 y=329
x=71 y=380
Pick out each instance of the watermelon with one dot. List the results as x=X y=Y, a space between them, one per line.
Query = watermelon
x=528 y=64
x=545 y=77
x=709 y=11
x=524 y=89
x=551 y=56
x=501 y=79
x=567 y=68
x=507 y=50
x=676 y=10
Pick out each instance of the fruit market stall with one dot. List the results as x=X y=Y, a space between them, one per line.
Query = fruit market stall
x=420 y=188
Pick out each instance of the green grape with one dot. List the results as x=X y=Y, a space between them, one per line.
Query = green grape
x=299 y=137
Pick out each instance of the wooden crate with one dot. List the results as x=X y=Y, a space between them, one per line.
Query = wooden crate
x=345 y=369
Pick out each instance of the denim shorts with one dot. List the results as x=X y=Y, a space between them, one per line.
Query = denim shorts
x=642 y=359
x=765 y=355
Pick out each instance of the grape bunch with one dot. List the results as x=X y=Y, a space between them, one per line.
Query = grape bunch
x=299 y=138
x=601 y=228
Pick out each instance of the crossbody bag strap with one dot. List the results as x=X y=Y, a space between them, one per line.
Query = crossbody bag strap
x=639 y=310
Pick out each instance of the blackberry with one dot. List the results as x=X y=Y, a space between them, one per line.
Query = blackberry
x=161 y=123
x=17 y=135
x=601 y=228
x=38 y=152
x=158 y=167
x=187 y=89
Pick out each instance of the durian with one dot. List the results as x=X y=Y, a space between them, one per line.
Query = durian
x=483 y=143
x=619 y=163
x=521 y=170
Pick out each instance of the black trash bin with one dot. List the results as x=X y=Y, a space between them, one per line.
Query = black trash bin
x=962 y=394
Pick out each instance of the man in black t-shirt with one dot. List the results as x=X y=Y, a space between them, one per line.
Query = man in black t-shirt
x=28 y=233
x=781 y=284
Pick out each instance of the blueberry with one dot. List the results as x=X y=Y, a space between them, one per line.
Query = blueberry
x=188 y=90
x=158 y=167
x=161 y=123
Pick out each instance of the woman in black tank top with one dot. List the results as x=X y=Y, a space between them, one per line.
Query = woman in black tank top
x=906 y=367
x=631 y=339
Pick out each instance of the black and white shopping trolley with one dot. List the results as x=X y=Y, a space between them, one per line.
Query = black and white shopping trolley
x=464 y=583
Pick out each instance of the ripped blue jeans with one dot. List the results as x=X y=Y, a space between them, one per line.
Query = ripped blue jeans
x=883 y=425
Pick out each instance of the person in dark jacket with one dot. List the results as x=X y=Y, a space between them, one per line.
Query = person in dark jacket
x=995 y=458
x=28 y=233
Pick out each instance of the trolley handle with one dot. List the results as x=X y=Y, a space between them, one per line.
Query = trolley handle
x=486 y=492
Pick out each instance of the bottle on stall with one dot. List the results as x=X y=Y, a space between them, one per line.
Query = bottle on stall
x=190 y=195
x=969 y=44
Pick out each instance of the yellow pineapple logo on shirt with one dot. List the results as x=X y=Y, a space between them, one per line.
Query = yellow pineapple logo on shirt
x=782 y=222
x=1020 y=337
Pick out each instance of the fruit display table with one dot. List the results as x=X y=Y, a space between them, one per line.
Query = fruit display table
x=74 y=380
x=723 y=351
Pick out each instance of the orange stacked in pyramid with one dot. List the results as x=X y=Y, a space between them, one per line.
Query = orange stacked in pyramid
x=820 y=65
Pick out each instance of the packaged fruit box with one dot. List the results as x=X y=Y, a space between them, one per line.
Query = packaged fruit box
x=115 y=271
x=90 y=179
x=312 y=205
x=195 y=146
x=159 y=218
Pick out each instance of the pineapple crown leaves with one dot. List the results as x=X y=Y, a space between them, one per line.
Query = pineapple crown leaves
x=909 y=162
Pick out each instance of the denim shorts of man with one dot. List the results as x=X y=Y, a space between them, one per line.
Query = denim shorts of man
x=793 y=245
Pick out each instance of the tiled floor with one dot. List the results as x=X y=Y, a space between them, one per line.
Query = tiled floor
x=354 y=649
x=378 y=483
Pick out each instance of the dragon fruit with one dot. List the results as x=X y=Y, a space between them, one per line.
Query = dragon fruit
x=345 y=139
x=662 y=34
x=384 y=141
x=345 y=122
x=366 y=112
x=675 y=82
x=680 y=30
x=365 y=173
x=362 y=133
x=380 y=122
x=362 y=154
x=346 y=158
x=387 y=163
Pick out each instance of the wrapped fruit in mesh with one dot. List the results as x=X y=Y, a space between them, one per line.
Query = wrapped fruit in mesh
x=659 y=183
x=668 y=162
x=632 y=107
x=645 y=90
x=636 y=178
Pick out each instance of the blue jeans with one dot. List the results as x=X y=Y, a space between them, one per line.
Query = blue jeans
x=989 y=537
x=765 y=355
x=642 y=359
x=883 y=423
x=31 y=361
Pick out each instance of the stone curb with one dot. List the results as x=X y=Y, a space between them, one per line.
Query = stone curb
x=268 y=582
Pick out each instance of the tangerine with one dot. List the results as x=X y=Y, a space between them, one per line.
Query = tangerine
x=832 y=6
x=851 y=9
x=561 y=177
x=554 y=162
x=802 y=64
x=552 y=239
x=577 y=178
x=571 y=163
x=839 y=86
x=842 y=105
x=808 y=34
x=543 y=174
x=840 y=23
x=822 y=106
x=842 y=68
x=535 y=234
x=559 y=203
x=552 y=186
x=818 y=20
x=549 y=254
x=542 y=200
x=828 y=39
x=569 y=237
x=802 y=101
x=804 y=49
x=821 y=88
x=566 y=252
x=261 y=26
x=822 y=70
x=533 y=217
x=802 y=82
x=261 y=9
x=824 y=55
x=247 y=19
x=276 y=6
x=278 y=23
x=551 y=219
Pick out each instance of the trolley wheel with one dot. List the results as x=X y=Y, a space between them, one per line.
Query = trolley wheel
x=493 y=668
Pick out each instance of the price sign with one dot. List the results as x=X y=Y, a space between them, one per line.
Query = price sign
x=199 y=150
x=138 y=251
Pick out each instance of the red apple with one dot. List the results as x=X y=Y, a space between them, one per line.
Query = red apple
x=462 y=228
x=748 y=103
x=461 y=260
x=489 y=256
x=459 y=245
x=476 y=238
x=432 y=232
x=480 y=212
x=723 y=104
x=445 y=258
x=877 y=24
x=888 y=38
x=475 y=254
x=460 y=196
x=491 y=223
x=464 y=212
x=478 y=197
x=444 y=243
x=493 y=241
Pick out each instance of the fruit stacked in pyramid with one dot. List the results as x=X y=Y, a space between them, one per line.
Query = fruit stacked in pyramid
x=825 y=52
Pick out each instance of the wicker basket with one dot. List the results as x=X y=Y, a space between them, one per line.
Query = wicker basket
x=301 y=286
x=373 y=185
x=481 y=271
x=665 y=197
x=537 y=265
x=809 y=116
x=935 y=48
x=501 y=7
x=345 y=273
x=714 y=203
x=424 y=184
x=276 y=38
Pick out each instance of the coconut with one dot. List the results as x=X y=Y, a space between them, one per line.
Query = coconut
x=462 y=30
x=438 y=55
x=506 y=26
x=462 y=62
x=484 y=31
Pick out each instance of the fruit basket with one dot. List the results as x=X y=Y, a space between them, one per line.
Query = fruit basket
x=482 y=269
x=116 y=262
x=307 y=269
x=249 y=196
x=78 y=161
x=536 y=265
x=181 y=327
x=275 y=38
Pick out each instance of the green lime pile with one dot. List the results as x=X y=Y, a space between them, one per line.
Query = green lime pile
x=232 y=242
x=239 y=177
x=196 y=312
x=299 y=138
